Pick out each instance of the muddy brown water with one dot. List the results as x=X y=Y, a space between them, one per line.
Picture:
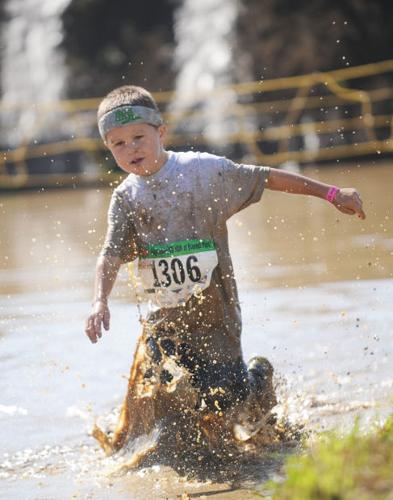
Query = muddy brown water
x=316 y=288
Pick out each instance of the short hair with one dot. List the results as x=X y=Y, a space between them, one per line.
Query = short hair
x=126 y=95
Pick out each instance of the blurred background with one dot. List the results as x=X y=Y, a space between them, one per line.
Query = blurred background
x=269 y=82
x=305 y=86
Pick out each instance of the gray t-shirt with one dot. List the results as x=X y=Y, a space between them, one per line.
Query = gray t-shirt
x=188 y=200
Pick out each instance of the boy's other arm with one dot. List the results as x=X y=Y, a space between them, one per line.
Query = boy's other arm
x=347 y=200
x=106 y=272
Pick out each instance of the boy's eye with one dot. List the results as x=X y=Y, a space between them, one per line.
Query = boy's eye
x=119 y=143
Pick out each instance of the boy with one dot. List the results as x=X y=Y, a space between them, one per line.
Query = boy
x=171 y=213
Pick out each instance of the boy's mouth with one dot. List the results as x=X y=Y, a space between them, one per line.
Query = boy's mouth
x=137 y=161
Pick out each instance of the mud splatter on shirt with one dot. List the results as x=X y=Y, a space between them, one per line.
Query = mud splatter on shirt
x=189 y=199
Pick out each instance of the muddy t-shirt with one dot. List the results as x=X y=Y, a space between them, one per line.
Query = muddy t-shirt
x=174 y=223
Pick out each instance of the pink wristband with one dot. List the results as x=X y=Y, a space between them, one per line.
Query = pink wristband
x=332 y=193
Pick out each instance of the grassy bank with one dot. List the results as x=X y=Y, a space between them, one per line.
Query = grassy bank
x=357 y=466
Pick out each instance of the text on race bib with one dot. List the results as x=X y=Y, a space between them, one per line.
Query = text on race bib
x=171 y=273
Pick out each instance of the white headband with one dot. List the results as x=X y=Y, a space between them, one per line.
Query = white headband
x=124 y=115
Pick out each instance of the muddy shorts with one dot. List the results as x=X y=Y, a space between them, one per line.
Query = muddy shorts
x=219 y=385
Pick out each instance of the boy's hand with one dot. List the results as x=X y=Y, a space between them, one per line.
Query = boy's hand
x=348 y=201
x=100 y=314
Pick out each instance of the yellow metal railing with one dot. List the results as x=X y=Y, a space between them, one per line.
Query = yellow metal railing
x=284 y=111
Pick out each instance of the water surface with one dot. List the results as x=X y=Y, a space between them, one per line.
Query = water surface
x=315 y=286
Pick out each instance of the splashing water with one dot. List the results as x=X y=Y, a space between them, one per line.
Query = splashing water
x=205 y=37
x=33 y=69
x=165 y=417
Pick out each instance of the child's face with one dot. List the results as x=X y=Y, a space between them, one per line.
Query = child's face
x=137 y=148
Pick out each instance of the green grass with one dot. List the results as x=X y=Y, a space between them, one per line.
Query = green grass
x=356 y=466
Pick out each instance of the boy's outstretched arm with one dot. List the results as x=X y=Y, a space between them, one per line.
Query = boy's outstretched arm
x=106 y=272
x=347 y=200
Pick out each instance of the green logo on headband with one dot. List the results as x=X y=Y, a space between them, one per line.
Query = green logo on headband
x=123 y=116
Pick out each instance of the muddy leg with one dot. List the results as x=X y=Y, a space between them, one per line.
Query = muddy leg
x=136 y=413
x=123 y=427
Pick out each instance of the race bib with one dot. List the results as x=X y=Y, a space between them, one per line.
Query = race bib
x=171 y=273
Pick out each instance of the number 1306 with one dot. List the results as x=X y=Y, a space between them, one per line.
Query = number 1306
x=168 y=271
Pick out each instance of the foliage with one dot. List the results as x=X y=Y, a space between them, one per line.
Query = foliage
x=288 y=38
x=109 y=44
x=355 y=466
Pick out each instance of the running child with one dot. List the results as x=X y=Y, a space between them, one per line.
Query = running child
x=169 y=216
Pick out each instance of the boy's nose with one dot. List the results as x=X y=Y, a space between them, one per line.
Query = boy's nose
x=132 y=145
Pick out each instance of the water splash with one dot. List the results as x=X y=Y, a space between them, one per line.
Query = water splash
x=205 y=34
x=33 y=69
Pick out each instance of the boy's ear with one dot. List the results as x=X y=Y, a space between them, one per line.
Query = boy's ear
x=162 y=130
